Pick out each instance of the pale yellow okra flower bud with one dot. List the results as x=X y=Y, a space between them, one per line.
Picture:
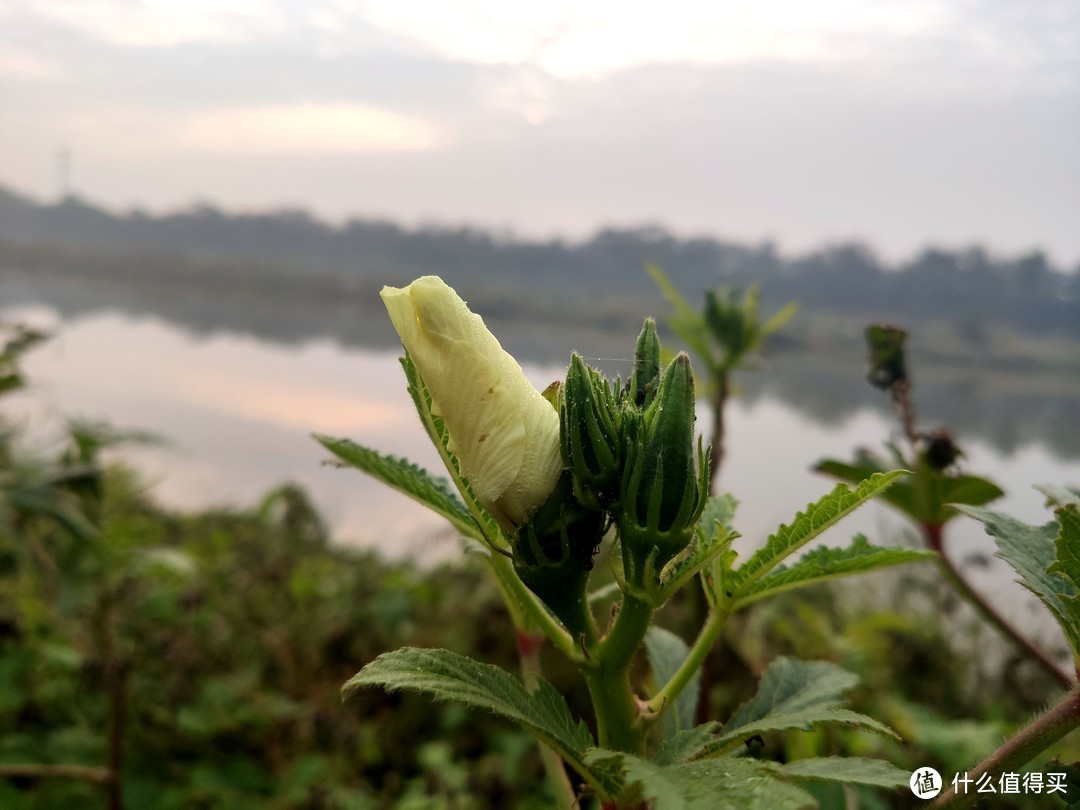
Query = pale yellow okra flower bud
x=505 y=434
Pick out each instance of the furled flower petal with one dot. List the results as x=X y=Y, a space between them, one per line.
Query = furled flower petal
x=505 y=434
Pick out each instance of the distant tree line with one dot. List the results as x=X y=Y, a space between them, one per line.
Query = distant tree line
x=970 y=287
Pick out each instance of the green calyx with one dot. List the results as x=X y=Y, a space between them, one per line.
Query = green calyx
x=590 y=438
x=631 y=459
x=665 y=485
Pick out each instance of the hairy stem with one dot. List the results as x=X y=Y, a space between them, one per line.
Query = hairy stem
x=716 y=458
x=935 y=540
x=607 y=675
x=1023 y=747
x=905 y=407
x=719 y=402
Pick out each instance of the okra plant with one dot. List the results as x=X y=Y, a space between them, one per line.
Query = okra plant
x=937 y=490
x=543 y=487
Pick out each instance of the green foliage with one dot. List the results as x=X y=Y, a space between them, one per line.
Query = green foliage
x=15 y=341
x=792 y=695
x=847 y=771
x=726 y=784
x=808 y=524
x=828 y=563
x=1047 y=558
x=449 y=676
x=238 y=629
x=406 y=478
x=729 y=331
x=929 y=496
x=53 y=489
x=666 y=652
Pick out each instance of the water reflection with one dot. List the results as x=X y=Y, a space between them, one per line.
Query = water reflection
x=1006 y=406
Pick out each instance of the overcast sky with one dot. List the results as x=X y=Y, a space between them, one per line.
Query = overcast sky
x=901 y=124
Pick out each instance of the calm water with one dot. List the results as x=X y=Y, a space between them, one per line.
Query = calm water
x=237 y=414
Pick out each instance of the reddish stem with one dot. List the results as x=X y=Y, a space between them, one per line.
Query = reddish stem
x=934 y=533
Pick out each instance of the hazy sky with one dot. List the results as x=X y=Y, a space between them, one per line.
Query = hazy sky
x=898 y=123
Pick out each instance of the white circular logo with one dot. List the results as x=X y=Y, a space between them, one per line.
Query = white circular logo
x=925 y=783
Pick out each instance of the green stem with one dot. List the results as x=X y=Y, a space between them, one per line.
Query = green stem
x=716 y=457
x=935 y=539
x=618 y=647
x=719 y=402
x=703 y=644
x=607 y=675
x=1016 y=752
x=616 y=710
x=527 y=610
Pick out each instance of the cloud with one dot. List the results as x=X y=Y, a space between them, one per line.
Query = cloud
x=897 y=121
x=24 y=65
x=307 y=128
x=160 y=23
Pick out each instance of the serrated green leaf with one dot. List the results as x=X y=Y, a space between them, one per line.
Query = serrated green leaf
x=794 y=694
x=686 y=745
x=808 y=524
x=1067 y=559
x=862 y=468
x=1031 y=551
x=848 y=771
x=1059 y=496
x=666 y=652
x=802 y=720
x=828 y=563
x=970 y=490
x=446 y=675
x=713 y=537
x=407 y=478
x=927 y=496
x=792 y=685
x=723 y=784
